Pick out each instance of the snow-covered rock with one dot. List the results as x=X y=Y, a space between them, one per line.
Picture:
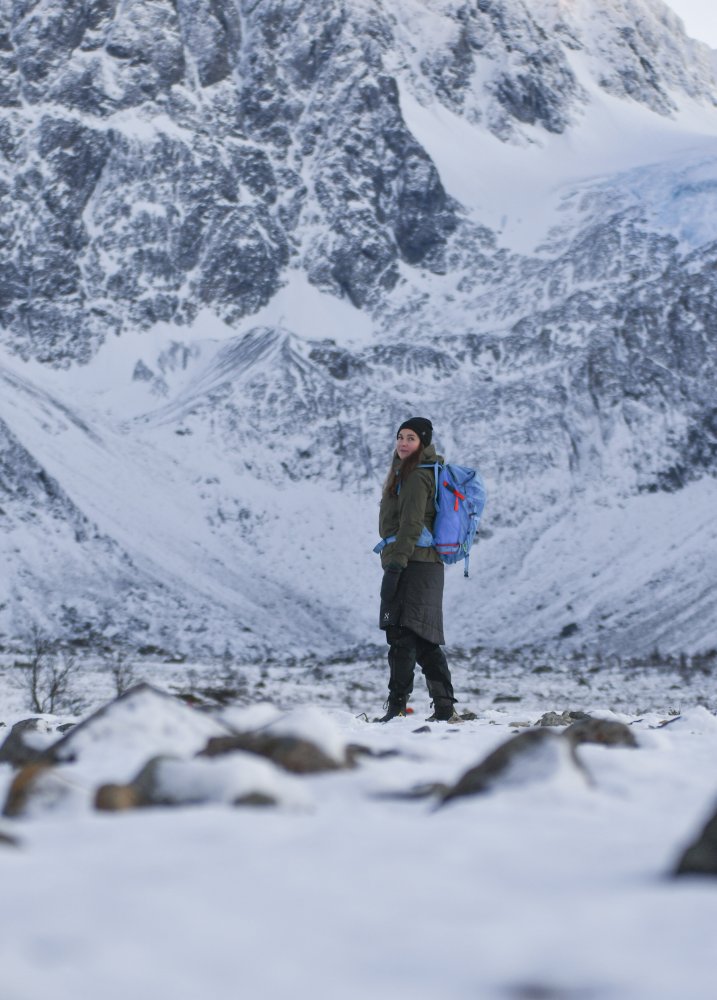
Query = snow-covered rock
x=236 y=779
x=535 y=756
x=26 y=740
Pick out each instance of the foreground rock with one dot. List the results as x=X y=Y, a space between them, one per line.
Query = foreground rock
x=38 y=788
x=292 y=753
x=6 y=840
x=700 y=858
x=606 y=732
x=565 y=718
x=111 y=745
x=303 y=741
x=241 y=779
x=147 y=748
x=140 y=723
x=534 y=756
x=26 y=741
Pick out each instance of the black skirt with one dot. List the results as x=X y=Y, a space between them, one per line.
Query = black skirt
x=418 y=603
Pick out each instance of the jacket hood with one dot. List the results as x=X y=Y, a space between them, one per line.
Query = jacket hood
x=429 y=454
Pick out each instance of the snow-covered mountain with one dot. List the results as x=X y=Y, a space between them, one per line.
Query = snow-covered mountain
x=243 y=240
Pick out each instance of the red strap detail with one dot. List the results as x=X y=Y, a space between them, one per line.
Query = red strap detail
x=455 y=492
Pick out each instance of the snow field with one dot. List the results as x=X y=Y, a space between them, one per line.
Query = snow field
x=557 y=884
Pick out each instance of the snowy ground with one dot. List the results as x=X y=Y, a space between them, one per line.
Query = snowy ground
x=557 y=888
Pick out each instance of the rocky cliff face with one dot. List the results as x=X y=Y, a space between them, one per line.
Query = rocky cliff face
x=165 y=162
x=163 y=156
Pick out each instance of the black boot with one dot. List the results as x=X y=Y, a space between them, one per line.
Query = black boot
x=438 y=680
x=395 y=708
x=443 y=711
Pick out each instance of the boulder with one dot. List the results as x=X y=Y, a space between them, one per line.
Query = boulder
x=110 y=746
x=292 y=753
x=534 y=756
x=304 y=741
x=140 y=723
x=25 y=742
x=239 y=779
x=38 y=788
x=606 y=732
x=115 y=798
x=700 y=858
x=565 y=718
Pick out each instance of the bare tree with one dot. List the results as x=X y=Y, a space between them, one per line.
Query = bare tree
x=48 y=675
x=121 y=669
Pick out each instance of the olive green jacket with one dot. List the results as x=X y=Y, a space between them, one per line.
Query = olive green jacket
x=407 y=514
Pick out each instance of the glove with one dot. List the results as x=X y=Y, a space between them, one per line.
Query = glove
x=389 y=584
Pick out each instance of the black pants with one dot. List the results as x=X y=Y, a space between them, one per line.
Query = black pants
x=405 y=650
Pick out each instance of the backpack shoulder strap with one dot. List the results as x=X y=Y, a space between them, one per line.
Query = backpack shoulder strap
x=436 y=466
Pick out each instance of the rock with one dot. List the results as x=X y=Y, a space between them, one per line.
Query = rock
x=700 y=858
x=22 y=745
x=604 y=731
x=255 y=799
x=535 y=755
x=7 y=840
x=126 y=730
x=304 y=740
x=113 y=798
x=561 y=718
x=424 y=791
x=237 y=779
x=106 y=749
x=292 y=753
x=37 y=787
x=311 y=723
x=355 y=751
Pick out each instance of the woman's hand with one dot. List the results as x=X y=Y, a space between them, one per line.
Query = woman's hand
x=389 y=584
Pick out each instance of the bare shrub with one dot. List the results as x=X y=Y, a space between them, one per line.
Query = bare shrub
x=48 y=675
x=121 y=669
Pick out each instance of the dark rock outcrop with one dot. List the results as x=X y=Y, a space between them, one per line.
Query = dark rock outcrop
x=606 y=732
x=700 y=858
x=535 y=755
x=16 y=749
x=292 y=753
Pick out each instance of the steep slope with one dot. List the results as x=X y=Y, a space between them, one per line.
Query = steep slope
x=499 y=214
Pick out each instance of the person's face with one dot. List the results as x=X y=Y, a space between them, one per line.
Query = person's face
x=406 y=443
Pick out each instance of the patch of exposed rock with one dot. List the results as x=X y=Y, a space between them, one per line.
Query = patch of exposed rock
x=534 y=756
x=7 y=840
x=292 y=753
x=37 y=788
x=565 y=718
x=143 y=721
x=25 y=742
x=238 y=779
x=606 y=732
x=700 y=858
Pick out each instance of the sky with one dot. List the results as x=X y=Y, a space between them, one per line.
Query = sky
x=700 y=17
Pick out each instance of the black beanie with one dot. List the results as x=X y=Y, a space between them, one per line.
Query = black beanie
x=421 y=425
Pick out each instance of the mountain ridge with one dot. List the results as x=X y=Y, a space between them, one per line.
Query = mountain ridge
x=270 y=250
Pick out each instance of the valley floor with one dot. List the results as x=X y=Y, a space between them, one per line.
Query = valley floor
x=555 y=887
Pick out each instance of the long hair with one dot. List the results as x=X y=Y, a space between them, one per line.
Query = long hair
x=398 y=474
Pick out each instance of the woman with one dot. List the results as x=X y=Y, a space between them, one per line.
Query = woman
x=412 y=586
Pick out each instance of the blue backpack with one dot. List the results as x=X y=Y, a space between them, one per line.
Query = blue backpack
x=459 y=498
